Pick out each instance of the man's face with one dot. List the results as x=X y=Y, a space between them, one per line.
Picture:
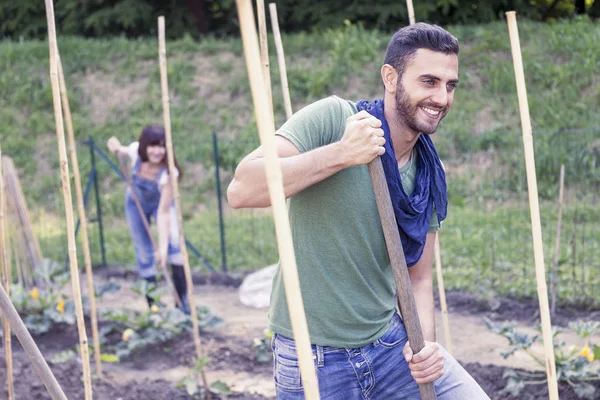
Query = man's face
x=425 y=91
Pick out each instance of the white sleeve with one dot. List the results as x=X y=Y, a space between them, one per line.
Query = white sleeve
x=132 y=152
x=164 y=177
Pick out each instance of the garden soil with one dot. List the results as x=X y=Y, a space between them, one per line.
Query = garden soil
x=154 y=372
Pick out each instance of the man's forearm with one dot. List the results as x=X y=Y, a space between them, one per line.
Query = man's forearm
x=250 y=189
x=423 y=292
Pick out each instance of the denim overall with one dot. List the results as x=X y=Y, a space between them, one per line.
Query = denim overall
x=148 y=193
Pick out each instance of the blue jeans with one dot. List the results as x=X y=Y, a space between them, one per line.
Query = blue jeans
x=141 y=241
x=377 y=371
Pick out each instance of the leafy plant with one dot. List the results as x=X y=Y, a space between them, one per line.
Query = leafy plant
x=192 y=385
x=262 y=347
x=575 y=365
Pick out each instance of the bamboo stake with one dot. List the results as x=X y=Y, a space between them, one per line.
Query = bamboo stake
x=557 y=244
x=264 y=50
x=411 y=11
x=6 y=281
x=442 y=292
x=82 y=217
x=164 y=84
x=66 y=188
x=39 y=364
x=266 y=128
x=536 y=228
x=138 y=205
x=281 y=60
x=33 y=250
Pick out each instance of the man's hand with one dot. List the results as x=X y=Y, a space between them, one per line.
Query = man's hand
x=363 y=139
x=427 y=365
x=161 y=259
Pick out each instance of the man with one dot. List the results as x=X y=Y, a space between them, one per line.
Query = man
x=359 y=341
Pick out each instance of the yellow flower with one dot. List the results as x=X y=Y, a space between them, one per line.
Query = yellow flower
x=60 y=307
x=154 y=308
x=127 y=334
x=35 y=293
x=587 y=353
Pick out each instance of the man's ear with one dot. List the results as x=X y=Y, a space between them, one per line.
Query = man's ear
x=389 y=76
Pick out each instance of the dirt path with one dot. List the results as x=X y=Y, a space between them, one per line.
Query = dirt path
x=472 y=342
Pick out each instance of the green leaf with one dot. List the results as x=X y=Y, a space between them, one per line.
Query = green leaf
x=219 y=387
x=64 y=356
x=191 y=386
x=596 y=350
x=584 y=390
x=514 y=385
x=111 y=358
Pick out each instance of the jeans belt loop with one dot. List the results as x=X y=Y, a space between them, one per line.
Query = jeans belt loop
x=320 y=357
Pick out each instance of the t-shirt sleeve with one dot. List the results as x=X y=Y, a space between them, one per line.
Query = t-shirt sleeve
x=164 y=177
x=434 y=225
x=132 y=152
x=318 y=124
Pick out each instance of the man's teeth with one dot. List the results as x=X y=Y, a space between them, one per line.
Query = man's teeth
x=431 y=112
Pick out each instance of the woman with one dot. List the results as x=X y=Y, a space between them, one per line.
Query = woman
x=150 y=182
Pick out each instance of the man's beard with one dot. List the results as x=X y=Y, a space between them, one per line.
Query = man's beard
x=406 y=113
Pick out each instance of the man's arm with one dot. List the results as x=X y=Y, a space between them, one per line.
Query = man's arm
x=428 y=364
x=362 y=142
x=421 y=278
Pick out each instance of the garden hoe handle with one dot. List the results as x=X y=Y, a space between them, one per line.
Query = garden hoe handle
x=406 y=300
x=124 y=170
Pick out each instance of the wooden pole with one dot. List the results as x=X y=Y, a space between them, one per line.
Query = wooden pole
x=411 y=11
x=138 y=205
x=536 y=227
x=554 y=287
x=6 y=281
x=66 y=188
x=406 y=300
x=281 y=61
x=266 y=129
x=442 y=292
x=39 y=364
x=264 y=50
x=82 y=217
x=164 y=84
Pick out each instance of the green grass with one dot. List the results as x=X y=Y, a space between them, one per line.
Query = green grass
x=115 y=90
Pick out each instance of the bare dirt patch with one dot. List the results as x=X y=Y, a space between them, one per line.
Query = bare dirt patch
x=105 y=96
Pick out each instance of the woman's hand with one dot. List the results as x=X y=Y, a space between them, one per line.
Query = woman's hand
x=113 y=145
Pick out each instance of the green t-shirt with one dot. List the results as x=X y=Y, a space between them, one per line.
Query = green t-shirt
x=345 y=275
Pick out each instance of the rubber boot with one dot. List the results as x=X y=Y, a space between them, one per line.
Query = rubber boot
x=150 y=300
x=181 y=287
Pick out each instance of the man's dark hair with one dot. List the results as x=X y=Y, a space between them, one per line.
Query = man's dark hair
x=154 y=135
x=406 y=41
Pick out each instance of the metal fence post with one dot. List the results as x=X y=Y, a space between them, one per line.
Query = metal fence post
x=98 y=205
x=220 y=202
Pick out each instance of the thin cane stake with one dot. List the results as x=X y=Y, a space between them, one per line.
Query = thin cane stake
x=138 y=205
x=264 y=50
x=82 y=217
x=39 y=364
x=536 y=228
x=411 y=11
x=266 y=128
x=6 y=281
x=443 y=305
x=281 y=60
x=554 y=287
x=66 y=188
x=164 y=84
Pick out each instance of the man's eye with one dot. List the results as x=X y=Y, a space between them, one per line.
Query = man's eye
x=451 y=86
x=428 y=82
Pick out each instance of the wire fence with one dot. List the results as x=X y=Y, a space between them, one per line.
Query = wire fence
x=486 y=239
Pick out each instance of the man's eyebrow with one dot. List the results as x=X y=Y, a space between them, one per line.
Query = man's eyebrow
x=437 y=78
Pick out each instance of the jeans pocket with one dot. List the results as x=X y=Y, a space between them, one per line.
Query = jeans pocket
x=286 y=368
x=395 y=335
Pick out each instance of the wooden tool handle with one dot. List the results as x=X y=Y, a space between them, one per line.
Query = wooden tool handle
x=406 y=300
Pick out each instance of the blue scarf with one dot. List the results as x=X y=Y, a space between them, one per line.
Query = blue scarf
x=413 y=213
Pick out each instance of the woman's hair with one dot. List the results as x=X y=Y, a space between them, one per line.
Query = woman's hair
x=154 y=135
